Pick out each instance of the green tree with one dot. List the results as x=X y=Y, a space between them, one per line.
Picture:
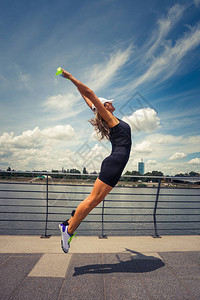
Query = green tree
x=135 y=173
x=128 y=173
x=85 y=171
x=193 y=173
x=157 y=173
x=148 y=174
x=74 y=171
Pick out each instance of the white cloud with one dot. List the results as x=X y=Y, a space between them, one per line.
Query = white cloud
x=88 y=156
x=168 y=62
x=144 y=119
x=28 y=139
x=51 y=148
x=165 y=24
x=143 y=147
x=63 y=106
x=167 y=57
x=101 y=74
x=96 y=151
x=151 y=162
x=163 y=145
x=60 y=102
x=159 y=147
x=59 y=132
x=36 y=137
x=177 y=156
x=94 y=136
x=194 y=161
x=37 y=149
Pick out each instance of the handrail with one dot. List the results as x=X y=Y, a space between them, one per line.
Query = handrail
x=46 y=194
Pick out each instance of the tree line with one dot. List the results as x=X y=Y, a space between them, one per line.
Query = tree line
x=79 y=175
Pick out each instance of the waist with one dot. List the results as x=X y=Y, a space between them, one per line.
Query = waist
x=121 y=148
x=126 y=144
x=117 y=140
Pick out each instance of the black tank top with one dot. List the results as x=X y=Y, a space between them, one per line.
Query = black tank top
x=120 y=135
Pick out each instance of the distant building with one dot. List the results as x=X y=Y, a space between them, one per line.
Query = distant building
x=141 y=167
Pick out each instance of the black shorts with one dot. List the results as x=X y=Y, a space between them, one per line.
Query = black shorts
x=113 y=166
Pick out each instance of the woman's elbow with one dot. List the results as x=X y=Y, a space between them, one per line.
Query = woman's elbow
x=89 y=93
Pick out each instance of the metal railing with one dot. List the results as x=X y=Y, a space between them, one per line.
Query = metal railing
x=38 y=207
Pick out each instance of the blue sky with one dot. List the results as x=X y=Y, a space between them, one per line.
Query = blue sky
x=143 y=54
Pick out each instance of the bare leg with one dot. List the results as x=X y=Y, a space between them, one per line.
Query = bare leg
x=99 y=192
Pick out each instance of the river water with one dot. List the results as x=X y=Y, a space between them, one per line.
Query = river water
x=127 y=210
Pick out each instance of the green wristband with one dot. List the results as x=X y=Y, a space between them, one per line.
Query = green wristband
x=59 y=71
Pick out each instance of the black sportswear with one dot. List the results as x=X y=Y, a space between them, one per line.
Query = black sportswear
x=113 y=165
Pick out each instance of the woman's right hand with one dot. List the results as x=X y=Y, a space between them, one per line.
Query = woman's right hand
x=66 y=74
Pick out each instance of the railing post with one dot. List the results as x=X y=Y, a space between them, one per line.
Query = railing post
x=47 y=209
x=102 y=236
x=156 y=235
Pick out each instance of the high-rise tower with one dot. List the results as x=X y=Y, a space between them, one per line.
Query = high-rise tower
x=141 y=167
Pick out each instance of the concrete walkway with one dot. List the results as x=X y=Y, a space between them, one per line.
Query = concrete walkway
x=114 y=268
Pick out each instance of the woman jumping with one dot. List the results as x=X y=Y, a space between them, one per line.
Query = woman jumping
x=119 y=134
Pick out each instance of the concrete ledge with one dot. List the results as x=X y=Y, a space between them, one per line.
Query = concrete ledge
x=92 y=244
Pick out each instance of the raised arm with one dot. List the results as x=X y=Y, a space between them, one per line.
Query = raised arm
x=88 y=101
x=89 y=94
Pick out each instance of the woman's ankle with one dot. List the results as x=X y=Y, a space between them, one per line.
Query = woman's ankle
x=69 y=230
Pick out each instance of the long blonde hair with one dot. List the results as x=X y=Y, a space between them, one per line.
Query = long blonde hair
x=101 y=126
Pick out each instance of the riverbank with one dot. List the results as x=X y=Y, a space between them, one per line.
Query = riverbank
x=89 y=182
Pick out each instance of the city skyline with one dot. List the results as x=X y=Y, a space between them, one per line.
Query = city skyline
x=85 y=171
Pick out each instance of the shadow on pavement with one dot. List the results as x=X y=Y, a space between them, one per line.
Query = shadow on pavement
x=139 y=263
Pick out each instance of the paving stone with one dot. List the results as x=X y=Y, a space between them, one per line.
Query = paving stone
x=167 y=288
x=51 y=265
x=84 y=279
x=187 y=271
x=183 y=264
x=125 y=288
x=37 y=288
x=193 y=286
x=3 y=257
x=178 y=258
x=152 y=268
x=121 y=278
x=13 y=271
x=119 y=264
x=194 y=256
